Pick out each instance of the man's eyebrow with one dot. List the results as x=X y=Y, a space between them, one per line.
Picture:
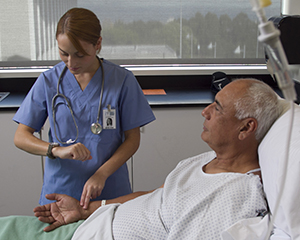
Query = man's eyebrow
x=218 y=103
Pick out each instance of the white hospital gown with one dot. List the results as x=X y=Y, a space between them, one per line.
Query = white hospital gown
x=192 y=204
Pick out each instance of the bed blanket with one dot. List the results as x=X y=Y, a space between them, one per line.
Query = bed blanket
x=29 y=227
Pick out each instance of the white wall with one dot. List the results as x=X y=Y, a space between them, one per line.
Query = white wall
x=174 y=135
x=20 y=173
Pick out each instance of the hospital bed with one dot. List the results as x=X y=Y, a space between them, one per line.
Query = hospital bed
x=272 y=161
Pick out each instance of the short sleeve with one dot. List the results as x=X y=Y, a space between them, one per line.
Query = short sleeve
x=33 y=110
x=135 y=109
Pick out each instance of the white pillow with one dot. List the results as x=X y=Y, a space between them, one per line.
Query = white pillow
x=271 y=157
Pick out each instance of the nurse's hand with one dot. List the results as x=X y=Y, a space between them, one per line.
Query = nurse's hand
x=92 y=189
x=75 y=151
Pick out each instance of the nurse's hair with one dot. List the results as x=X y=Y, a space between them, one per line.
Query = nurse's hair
x=80 y=24
x=260 y=102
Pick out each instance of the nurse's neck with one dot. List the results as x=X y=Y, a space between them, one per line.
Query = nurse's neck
x=85 y=77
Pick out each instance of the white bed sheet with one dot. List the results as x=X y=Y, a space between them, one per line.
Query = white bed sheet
x=248 y=229
x=271 y=154
x=98 y=225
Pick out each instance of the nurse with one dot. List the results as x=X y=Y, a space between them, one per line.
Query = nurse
x=95 y=110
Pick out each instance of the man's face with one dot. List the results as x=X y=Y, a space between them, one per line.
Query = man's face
x=221 y=127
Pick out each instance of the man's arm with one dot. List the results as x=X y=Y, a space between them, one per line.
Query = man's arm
x=68 y=210
x=94 y=205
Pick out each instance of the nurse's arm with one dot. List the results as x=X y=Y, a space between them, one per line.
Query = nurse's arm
x=25 y=140
x=95 y=184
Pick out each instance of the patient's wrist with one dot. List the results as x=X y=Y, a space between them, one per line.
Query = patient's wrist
x=93 y=206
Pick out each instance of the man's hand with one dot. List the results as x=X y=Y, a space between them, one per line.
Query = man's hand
x=64 y=211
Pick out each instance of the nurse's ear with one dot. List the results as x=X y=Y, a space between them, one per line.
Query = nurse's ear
x=99 y=45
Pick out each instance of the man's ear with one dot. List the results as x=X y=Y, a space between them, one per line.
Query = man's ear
x=248 y=127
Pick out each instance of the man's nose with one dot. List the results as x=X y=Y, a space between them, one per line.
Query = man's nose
x=206 y=112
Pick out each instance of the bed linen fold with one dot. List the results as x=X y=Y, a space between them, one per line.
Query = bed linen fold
x=98 y=226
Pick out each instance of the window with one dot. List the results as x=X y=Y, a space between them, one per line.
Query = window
x=158 y=30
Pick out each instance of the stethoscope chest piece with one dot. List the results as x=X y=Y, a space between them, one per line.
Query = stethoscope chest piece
x=96 y=128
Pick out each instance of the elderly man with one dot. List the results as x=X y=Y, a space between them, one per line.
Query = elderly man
x=203 y=195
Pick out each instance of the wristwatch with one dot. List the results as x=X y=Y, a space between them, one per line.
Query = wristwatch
x=49 y=151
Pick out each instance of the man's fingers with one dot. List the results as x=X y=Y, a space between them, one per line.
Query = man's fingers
x=46 y=219
x=42 y=214
x=52 y=226
x=39 y=209
x=52 y=196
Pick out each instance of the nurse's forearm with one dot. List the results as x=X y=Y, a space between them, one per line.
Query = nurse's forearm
x=25 y=140
x=122 y=154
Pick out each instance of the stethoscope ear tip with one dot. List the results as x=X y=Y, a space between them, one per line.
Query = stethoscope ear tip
x=70 y=141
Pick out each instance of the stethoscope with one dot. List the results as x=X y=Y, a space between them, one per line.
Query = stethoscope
x=96 y=127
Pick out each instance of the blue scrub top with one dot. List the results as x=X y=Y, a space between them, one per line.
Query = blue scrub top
x=121 y=92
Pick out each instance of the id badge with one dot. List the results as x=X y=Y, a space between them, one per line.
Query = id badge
x=109 y=118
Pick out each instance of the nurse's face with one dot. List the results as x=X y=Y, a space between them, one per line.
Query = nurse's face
x=77 y=62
